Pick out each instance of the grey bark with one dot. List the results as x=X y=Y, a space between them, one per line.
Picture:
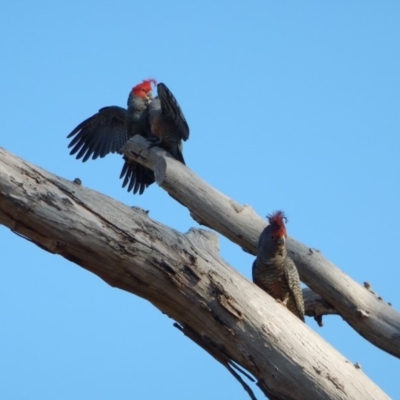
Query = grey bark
x=362 y=309
x=182 y=275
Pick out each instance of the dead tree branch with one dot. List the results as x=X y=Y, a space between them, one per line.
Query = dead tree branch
x=181 y=274
x=372 y=318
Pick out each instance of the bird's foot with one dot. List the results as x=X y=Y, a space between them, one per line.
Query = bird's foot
x=155 y=142
x=283 y=302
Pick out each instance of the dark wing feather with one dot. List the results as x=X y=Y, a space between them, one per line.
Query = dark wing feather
x=293 y=280
x=178 y=154
x=102 y=133
x=136 y=176
x=171 y=109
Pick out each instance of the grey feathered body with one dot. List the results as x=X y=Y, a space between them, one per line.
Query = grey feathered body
x=107 y=131
x=276 y=273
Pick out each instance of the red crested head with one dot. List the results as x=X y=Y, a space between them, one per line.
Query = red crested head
x=277 y=222
x=144 y=88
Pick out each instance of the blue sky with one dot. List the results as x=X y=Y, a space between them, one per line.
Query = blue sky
x=291 y=105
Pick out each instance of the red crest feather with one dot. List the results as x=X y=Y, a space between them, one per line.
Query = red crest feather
x=145 y=85
x=277 y=221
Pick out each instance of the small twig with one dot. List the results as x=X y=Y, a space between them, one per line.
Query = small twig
x=246 y=387
x=242 y=371
x=316 y=306
x=216 y=352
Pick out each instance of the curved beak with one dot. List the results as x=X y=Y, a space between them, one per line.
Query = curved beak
x=281 y=240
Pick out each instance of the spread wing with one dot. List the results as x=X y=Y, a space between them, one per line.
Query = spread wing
x=102 y=133
x=171 y=109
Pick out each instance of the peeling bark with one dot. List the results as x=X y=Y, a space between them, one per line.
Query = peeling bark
x=361 y=308
x=184 y=276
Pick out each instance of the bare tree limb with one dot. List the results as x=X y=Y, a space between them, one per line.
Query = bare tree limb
x=184 y=276
x=316 y=306
x=373 y=319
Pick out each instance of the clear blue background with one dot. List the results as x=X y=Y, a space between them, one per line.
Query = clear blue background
x=292 y=105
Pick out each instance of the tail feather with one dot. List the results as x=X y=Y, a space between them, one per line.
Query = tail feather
x=179 y=157
x=136 y=176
